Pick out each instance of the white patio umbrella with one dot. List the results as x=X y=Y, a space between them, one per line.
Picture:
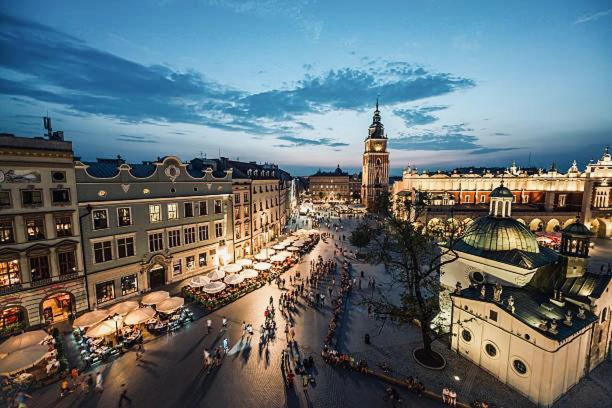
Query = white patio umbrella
x=280 y=246
x=22 y=359
x=301 y=231
x=170 y=305
x=139 y=315
x=285 y=253
x=22 y=341
x=244 y=262
x=290 y=238
x=214 y=287
x=91 y=318
x=286 y=243
x=154 y=298
x=298 y=244
x=261 y=257
x=123 y=308
x=106 y=328
x=277 y=258
x=216 y=275
x=313 y=231
x=198 y=281
x=249 y=273
x=232 y=268
x=293 y=249
x=233 y=279
x=262 y=266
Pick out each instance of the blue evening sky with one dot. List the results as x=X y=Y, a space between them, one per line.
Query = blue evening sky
x=294 y=82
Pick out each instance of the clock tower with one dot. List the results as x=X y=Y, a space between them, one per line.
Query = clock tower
x=375 y=167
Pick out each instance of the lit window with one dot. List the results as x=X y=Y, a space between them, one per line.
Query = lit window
x=155 y=213
x=35 y=228
x=129 y=284
x=63 y=226
x=172 y=211
x=124 y=217
x=105 y=291
x=100 y=219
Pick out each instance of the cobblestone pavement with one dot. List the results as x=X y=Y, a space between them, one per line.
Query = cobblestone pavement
x=170 y=373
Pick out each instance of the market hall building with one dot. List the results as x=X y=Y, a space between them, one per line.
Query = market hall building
x=150 y=224
x=543 y=200
x=41 y=266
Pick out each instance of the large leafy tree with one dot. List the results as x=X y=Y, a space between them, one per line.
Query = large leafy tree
x=413 y=257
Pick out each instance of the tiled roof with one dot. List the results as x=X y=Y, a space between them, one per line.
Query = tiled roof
x=589 y=285
x=532 y=307
x=102 y=170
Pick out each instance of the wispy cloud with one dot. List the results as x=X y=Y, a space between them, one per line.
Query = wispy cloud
x=86 y=80
x=448 y=137
x=419 y=116
x=136 y=139
x=300 y=141
x=593 y=16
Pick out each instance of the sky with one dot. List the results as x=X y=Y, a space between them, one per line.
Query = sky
x=294 y=82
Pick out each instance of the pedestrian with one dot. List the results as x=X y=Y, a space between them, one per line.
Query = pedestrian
x=359 y=283
x=244 y=327
x=74 y=375
x=209 y=325
x=206 y=359
x=21 y=398
x=99 y=382
x=139 y=351
x=271 y=300
x=124 y=397
x=226 y=345
x=64 y=387
x=224 y=323
x=90 y=382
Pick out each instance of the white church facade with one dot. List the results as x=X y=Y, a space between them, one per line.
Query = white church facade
x=535 y=319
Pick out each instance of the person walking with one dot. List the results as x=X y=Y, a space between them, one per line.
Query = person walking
x=209 y=325
x=226 y=345
x=244 y=328
x=124 y=397
x=99 y=382
x=139 y=351
x=224 y=323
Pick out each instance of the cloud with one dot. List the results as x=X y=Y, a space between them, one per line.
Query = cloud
x=307 y=67
x=300 y=141
x=486 y=150
x=501 y=134
x=449 y=137
x=295 y=11
x=43 y=64
x=593 y=16
x=419 y=116
x=136 y=139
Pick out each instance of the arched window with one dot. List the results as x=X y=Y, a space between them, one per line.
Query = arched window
x=378 y=162
x=604 y=315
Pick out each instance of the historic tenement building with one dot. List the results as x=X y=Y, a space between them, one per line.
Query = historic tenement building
x=149 y=224
x=375 y=166
x=41 y=266
x=330 y=186
x=542 y=200
x=262 y=214
x=535 y=319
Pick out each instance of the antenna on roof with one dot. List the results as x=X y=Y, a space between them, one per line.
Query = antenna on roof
x=47 y=125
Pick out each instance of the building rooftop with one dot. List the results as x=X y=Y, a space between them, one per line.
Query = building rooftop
x=336 y=173
x=533 y=307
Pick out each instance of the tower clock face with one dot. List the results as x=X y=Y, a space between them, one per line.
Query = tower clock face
x=378 y=147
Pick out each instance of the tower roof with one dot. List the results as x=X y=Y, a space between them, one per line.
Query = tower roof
x=376 y=129
x=577 y=229
x=501 y=192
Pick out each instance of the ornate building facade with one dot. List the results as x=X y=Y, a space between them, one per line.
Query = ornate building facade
x=375 y=165
x=41 y=263
x=149 y=224
x=542 y=200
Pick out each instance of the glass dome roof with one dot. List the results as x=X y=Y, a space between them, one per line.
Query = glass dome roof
x=500 y=234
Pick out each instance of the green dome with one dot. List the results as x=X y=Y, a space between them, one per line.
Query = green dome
x=501 y=192
x=500 y=234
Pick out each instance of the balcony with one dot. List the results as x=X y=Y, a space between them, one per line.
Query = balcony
x=41 y=282
x=5 y=290
x=68 y=276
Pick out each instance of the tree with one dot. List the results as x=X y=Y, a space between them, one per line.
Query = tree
x=413 y=257
x=360 y=237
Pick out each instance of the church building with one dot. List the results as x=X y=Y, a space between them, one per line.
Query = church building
x=535 y=319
